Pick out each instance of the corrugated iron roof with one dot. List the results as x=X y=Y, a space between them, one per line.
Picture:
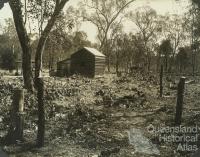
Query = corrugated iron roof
x=94 y=51
x=65 y=60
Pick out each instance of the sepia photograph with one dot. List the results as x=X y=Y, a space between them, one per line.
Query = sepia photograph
x=99 y=78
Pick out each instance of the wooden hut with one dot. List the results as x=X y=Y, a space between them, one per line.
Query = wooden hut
x=88 y=62
x=63 y=68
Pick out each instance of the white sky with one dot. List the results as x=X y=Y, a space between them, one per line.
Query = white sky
x=161 y=6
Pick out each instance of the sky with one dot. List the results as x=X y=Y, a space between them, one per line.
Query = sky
x=161 y=6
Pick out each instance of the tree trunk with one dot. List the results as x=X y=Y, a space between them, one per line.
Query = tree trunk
x=44 y=36
x=166 y=63
x=15 y=6
x=181 y=67
x=41 y=112
x=39 y=84
x=38 y=57
x=161 y=81
x=108 y=63
x=158 y=62
x=193 y=62
x=117 y=68
x=117 y=63
x=149 y=64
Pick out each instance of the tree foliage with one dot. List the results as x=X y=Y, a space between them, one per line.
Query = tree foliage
x=2 y=3
x=8 y=59
x=166 y=51
x=20 y=17
x=106 y=15
x=148 y=30
x=103 y=14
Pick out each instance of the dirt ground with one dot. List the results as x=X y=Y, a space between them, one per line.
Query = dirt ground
x=94 y=117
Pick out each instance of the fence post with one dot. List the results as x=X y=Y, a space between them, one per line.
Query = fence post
x=161 y=81
x=179 y=103
x=17 y=117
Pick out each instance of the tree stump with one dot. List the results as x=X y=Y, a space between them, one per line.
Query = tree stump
x=179 y=103
x=15 y=132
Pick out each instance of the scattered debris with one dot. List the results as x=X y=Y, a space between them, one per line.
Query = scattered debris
x=90 y=116
x=108 y=152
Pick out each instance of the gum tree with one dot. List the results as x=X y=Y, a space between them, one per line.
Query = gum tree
x=106 y=16
x=148 y=28
x=20 y=11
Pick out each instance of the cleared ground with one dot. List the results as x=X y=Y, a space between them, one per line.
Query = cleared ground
x=88 y=117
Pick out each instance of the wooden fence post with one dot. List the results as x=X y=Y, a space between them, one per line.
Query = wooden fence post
x=161 y=81
x=17 y=117
x=179 y=103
